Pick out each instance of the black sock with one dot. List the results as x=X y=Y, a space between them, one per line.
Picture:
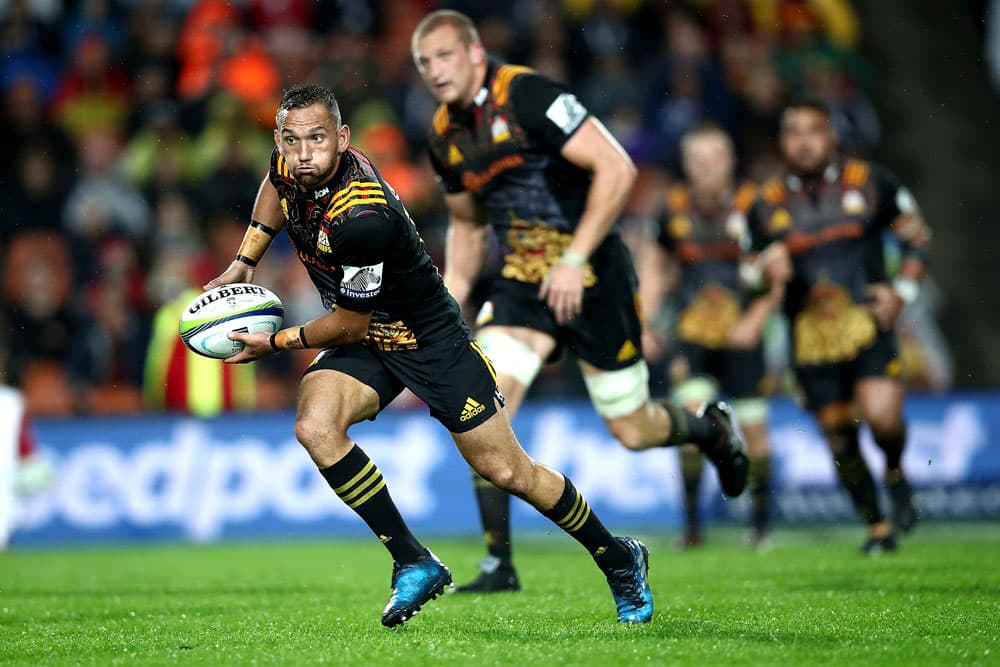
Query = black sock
x=853 y=473
x=760 y=493
x=572 y=514
x=687 y=427
x=358 y=482
x=692 y=463
x=494 y=513
x=892 y=444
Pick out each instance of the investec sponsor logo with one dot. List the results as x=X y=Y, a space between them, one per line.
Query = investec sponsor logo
x=201 y=484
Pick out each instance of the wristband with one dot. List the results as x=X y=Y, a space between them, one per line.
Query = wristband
x=249 y=261
x=907 y=289
x=264 y=228
x=274 y=345
x=573 y=258
x=302 y=336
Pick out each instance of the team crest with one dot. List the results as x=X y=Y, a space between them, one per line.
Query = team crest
x=500 y=130
x=454 y=155
x=680 y=226
x=323 y=241
x=853 y=202
x=780 y=221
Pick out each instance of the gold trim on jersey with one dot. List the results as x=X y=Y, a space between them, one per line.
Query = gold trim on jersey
x=678 y=199
x=501 y=82
x=855 y=173
x=282 y=167
x=357 y=193
x=773 y=192
x=744 y=197
x=831 y=328
x=535 y=249
x=390 y=336
x=710 y=317
x=441 y=121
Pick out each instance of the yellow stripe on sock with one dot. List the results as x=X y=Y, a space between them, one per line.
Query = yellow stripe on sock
x=575 y=519
x=582 y=520
x=365 y=498
x=572 y=512
x=362 y=487
x=354 y=480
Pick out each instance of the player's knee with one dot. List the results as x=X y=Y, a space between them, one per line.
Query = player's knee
x=505 y=477
x=619 y=393
x=320 y=438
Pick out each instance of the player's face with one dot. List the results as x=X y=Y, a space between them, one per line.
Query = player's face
x=449 y=67
x=311 y=144
x=807 y=140
x=708 y=162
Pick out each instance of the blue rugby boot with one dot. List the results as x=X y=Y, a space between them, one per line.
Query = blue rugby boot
x=630 y=586
x=414 y=585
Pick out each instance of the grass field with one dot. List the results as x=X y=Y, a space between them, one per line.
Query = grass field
x=809 y=600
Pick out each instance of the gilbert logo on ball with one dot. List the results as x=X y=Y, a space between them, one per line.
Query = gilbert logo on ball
x=208 y=319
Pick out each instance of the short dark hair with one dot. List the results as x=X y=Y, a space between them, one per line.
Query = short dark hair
x=806 y=103
x=305 y=95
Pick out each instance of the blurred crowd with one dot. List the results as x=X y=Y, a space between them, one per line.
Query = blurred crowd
x=140 y=131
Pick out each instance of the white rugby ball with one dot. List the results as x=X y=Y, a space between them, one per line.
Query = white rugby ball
x=242 y=307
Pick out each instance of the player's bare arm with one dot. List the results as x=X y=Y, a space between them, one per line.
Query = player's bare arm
x=338 y=327
x=657 y=278
x=773 y=269
x=592 y=148
x=267 y=220
x=886 y=301
x=465 y=246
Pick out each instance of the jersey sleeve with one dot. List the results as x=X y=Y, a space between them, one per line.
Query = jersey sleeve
x=362 y=243
x=660 y=233
x=448 y=178
x=898 y=212
x=755 y=239
x=547 y=111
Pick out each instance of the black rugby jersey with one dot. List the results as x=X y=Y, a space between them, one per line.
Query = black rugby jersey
x=710 y=297
x=362 y=252
x=504 y=149
x=834 y=232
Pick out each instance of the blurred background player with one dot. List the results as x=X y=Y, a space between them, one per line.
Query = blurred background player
x=24 y=470
x=830 y=214
x=697 y=257
x=518 y=151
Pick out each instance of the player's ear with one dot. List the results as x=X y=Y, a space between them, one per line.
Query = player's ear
x=343 y=138
x=477 y=53
x=277 y=138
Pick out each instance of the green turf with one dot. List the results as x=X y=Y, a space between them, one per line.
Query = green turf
x=809 y=600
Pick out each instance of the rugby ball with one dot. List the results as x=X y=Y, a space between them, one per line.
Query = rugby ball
x=242 y=307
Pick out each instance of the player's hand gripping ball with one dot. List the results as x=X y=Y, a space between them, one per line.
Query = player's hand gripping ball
x=208 y=319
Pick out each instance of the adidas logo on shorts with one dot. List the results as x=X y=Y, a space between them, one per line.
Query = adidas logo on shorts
x=471 y=409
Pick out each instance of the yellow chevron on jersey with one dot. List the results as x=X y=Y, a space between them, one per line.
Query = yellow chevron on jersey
x=678 y=199
x=441 y=120
x=773 y=192
x=283 y=167
x=855 y=173
x=744 y=197
x=454 y=155
x=357 y=193
x=502 y=81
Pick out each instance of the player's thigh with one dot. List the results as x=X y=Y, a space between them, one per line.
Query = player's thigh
x=878 y=388
x=493 y=451
x=341 y=387
x=454 y=377
x=828 y=390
